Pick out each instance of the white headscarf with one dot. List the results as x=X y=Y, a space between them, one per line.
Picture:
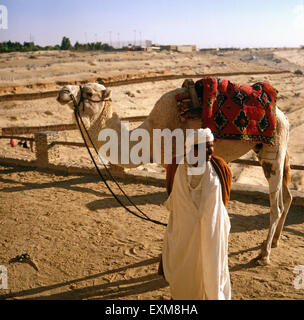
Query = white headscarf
x=200 y=136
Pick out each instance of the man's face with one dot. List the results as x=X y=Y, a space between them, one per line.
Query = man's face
x=209 y=150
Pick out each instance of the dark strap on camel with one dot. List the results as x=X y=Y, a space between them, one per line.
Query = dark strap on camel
x=190 y=85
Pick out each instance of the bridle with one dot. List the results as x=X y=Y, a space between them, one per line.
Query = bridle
x=78 y=121
x=77 y=104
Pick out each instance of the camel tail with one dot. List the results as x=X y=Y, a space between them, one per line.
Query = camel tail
x=286 y=173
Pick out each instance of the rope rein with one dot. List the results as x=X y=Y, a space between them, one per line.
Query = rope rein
x=79 y=124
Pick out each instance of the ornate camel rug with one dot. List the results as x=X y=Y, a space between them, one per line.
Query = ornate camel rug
x=233 y=111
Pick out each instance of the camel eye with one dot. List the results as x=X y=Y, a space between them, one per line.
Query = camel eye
x=89 y=94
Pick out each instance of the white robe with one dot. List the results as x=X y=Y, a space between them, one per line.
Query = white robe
x=195 y=250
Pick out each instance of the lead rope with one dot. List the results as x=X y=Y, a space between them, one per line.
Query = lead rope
x=77 y=116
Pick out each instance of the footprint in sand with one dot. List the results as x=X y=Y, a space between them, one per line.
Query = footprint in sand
x=140 y=250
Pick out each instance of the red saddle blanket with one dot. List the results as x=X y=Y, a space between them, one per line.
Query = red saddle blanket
x=232 y=111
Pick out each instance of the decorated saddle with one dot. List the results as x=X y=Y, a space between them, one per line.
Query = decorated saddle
x=233 y=111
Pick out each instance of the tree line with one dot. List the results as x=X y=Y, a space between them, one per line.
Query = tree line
x=10 y=46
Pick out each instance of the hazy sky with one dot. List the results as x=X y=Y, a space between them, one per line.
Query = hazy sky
x=217 y=23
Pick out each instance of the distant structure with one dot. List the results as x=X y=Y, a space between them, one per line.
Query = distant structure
x=148 y=43
x=219 y=49
x=150 y=46
x=179 y=48
x=153 y=47
x=176 y=48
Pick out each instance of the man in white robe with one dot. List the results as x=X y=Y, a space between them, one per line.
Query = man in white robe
x=195 y=251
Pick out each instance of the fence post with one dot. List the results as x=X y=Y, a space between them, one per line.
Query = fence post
x=46 y=153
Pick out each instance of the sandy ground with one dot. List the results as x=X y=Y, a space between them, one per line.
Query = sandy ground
x=86 y=246
x=23 y=72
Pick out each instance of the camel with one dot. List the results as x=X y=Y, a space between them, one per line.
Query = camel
x=96 y=110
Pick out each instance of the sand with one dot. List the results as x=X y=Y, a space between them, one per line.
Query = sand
x=85 y=245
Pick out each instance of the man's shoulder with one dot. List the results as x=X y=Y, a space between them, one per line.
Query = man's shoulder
x=224 y=173
x=221 y=164
x=219 y=160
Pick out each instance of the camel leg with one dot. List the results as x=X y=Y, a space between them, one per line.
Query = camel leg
x=287 y=199
x=273 y=170
x=275 y=214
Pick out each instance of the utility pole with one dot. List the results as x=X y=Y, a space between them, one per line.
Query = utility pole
x=32 y=39
x=134 y=38
x=118 y=40
x=110 y=38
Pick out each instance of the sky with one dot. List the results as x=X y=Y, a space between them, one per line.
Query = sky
x=207 y=24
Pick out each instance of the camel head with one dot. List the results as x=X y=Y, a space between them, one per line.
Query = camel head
x=93 y=100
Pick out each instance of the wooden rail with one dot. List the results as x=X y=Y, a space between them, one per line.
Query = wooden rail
x=10 y=133
x=57 y=127
x=82 y=145
x=28 y=130
x=17 y=138
x=69 y=143
x=257 y=164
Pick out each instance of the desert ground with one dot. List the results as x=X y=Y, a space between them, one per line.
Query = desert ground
x=88 y=247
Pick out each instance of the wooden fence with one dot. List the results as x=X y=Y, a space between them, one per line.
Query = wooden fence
x=46 y=139
x=57 y=127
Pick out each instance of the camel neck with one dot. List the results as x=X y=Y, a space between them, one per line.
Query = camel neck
x=99 y=122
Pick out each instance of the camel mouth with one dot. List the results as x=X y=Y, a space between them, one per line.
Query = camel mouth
x=63 y=98
x=61 y=101
x=66 y=102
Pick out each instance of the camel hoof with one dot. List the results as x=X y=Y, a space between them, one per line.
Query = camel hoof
x=263 y=261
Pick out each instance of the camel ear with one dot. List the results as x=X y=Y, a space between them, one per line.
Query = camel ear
x=106 y=94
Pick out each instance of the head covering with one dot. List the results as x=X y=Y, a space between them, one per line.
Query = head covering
x=193 y=137
x=202 y=136
x=197 y=137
